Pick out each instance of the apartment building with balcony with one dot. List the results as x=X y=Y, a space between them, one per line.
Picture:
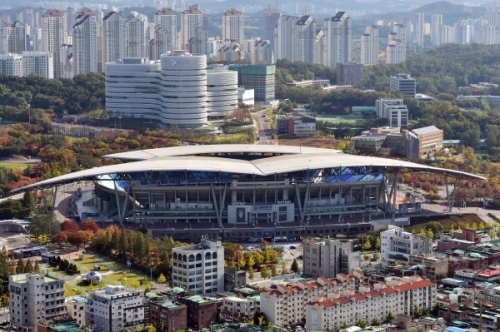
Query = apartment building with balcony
x=399 y=296
x=287 y=303
x=34 y=297
x=114 y=309
x=199 y=268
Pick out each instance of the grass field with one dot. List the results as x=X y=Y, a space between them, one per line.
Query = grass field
x=113 y=273
x=13 y=165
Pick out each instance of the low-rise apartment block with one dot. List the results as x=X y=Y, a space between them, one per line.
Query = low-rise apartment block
x=287 y=303
x=397 y=245
x=296 y=125
x=201 y=311
x=34 y=297
x=114 y=309
x=167 y=314
x=398 y=297
x=329 y=257
x=434 y=267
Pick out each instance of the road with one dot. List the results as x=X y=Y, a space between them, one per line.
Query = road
x=263 y=128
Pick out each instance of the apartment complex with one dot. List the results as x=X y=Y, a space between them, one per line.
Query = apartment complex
x=328 y=257
x=191 y=19
x=399 y=245
x=370 y=46
x=394 y=110
x=114 y=309
x=114 y=46
x=38 y=63
x=165 y=33
x=339 y=39
x=398 y=296
x=11 y=64
x=87 y=43
x=199 y=268
x=53 y=28
x=14 y=38
x=34 y=297
x=288 y=302
x=396 y=44
x=233 y=26
x=404 y=83
x=167 y=314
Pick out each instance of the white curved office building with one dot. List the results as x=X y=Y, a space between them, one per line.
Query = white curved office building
x=222 y=91
x=133 y=88
x=184 y=88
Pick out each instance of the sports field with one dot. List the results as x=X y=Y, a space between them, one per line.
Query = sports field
x=13 y=165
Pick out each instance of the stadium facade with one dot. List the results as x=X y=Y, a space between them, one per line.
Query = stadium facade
x=245 y=191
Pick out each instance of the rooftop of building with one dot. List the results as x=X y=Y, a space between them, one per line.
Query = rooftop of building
x=23 y=278
x=113 y=291
x=233 y=12
x=171 y=304
x=489 y=273
x=203 y=245
x=165 y=11
x=198 y=299
x=62 y=323
x=426 y=130
x=193 y=9
x=53 y=13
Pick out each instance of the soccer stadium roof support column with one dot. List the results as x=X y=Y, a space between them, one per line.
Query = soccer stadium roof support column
x=121 y=213
x=299 y=203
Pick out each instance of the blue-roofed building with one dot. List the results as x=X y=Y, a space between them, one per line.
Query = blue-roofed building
x=454 y=329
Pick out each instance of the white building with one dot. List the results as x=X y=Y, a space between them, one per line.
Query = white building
x=87 y=43
x=447 y=34
x=234 y=305
x=165 y=37
x=198 y=44
x=436 y=23
x=404 y=83
x=222 y=91
x=137 y=96
x=285 y=37
x=75 y=309
x=305 y=37
x=113 y=37
x=370 y=46
x=38 y=63
x=11 y=65
x=67 y=61
x=398 y=245
x=36 y=38
x=419 y=33
x=393 y=110
x=34 y=297
x=287 y=303
x=233 y=26
x=13 y=38
x=246 y=96
x=53 y=32
x=330 y=312
x=231 y=51
x=329 y=257
x=137 y=36
x=199 y=268
x=271 y=19
x=190 y=19
x=396 y=45
x=463 y=33
x=320 y=54
x=263 y=52
x=339 y=39
x=114 y=309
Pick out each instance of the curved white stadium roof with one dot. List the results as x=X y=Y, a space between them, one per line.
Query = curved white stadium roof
x=190 y=150
x=298 y=159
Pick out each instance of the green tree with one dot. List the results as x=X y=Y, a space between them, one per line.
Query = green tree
x=377 y=243
x=375 y=322
x=20 y=266
x=361 y=323
x=430 y=234
x=436 y=227
x=366 y=257
x=44 y=224
x=376 y=256
x=389 y=318
x=284 y=269
x=29 y=200
x=367 y=244
x=162 y=279
x=264 y=272
x=36 y=268
x=28 y=268
x=151 y=328
x=274 y=272
x=251 y=273
x=295 y=266
x=344 y=325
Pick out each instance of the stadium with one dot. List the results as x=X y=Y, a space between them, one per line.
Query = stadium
x=244 y=192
